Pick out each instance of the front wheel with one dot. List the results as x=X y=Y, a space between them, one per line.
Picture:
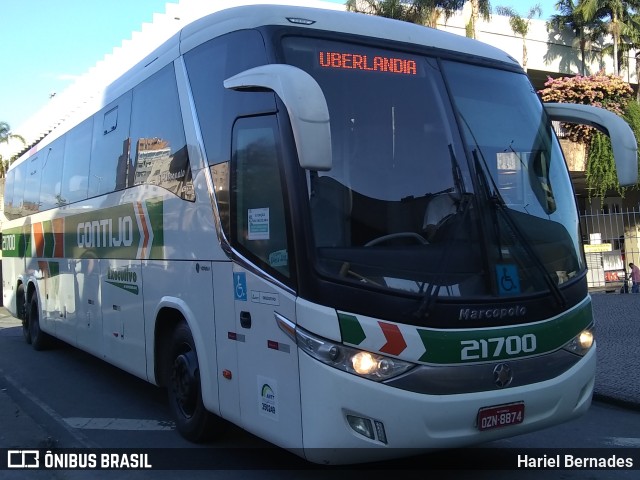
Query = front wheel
x=193 y=421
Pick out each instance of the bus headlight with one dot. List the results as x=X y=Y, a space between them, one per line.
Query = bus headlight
x=359 y=362
x=582 y=343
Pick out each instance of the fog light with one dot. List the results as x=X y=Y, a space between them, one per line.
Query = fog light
x=361 y=425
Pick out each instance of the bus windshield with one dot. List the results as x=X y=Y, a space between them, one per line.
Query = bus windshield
x=446 y=181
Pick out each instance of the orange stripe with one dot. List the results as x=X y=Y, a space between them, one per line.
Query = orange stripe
x=38 y=239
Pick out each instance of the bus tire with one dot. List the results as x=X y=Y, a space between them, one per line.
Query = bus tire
x=21 y=312
x=193 y=421
x=39 y=339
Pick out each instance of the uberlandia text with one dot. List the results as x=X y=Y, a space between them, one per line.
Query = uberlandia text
x=100 y=233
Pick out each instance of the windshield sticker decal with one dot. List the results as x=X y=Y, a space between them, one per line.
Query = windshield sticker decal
x=508 y=282
x=258 y=224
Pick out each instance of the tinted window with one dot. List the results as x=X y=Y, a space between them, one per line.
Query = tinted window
x=51 y=175
x=159 y=151
x=8 y=194
x=110 y=149
x=208 y=66
x=75 y=173
x=18 y=189
x=259 y=224
x=31 y=198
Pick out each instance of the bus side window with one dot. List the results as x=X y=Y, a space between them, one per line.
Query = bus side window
x=52 y=175
x=208 y=65
x=259 y=219
x=158 y=153
x=110 y=148
x=9 y=210
x=31 y=199
x=75 y=170
x=19 y=181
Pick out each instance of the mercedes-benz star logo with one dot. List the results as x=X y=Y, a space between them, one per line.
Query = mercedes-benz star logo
x=502 y=375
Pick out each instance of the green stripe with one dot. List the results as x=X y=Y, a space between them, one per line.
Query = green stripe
x=351 y=329
x=54 y=269
x=98 y=234
x=47 y=228
x=94 y=234
x=446 y=346
x=156 y=215
x=14 y=242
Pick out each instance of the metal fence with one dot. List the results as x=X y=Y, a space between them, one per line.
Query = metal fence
x=611 y=238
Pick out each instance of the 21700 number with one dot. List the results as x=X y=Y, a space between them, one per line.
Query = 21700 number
x=497 y=347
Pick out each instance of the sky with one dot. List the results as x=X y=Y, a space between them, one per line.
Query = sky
x=49 y=43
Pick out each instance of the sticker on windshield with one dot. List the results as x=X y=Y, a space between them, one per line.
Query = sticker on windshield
x=508 y=281
x=258 y=224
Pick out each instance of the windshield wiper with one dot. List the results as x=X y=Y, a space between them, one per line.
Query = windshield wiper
x=496 y=201
x=463 y=207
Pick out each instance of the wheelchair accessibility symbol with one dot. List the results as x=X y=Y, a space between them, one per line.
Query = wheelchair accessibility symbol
x=508 y=282
x=240 y=286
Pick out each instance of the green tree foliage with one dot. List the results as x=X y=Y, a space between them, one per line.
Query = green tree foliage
x=479 y=8
x=422 y=12
x=520 y=26
x=601 y=169
x=616 y=15
x=5 y=136
x=600 y=90
x=570 y=18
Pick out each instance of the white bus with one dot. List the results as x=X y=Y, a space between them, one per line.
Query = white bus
x=353 y=237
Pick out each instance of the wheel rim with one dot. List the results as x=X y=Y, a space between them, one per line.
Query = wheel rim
x=185 y=383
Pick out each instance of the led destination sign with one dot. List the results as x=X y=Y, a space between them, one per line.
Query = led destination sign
x=375 y=63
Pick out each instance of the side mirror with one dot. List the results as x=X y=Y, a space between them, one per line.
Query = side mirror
x=306 y=106
x=623 y=141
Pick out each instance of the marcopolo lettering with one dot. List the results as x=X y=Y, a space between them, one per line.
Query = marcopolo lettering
x=101 y=233
x=499 y=313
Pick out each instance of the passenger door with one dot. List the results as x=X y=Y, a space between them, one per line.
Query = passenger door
x=260 y=231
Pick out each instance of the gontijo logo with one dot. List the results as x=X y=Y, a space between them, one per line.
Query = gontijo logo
x=101 y=234
x=133 y=230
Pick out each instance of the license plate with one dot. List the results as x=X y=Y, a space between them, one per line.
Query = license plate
x=500 y=416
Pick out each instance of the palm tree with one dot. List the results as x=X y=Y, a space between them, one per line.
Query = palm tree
x=617 y=12
x=569 y=18
x=520 y=26
x=421 y=12
x=5 y=136
x=478 y=8
x=631 y=35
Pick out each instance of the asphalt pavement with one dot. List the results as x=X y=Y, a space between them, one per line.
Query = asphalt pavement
x=617 y=319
